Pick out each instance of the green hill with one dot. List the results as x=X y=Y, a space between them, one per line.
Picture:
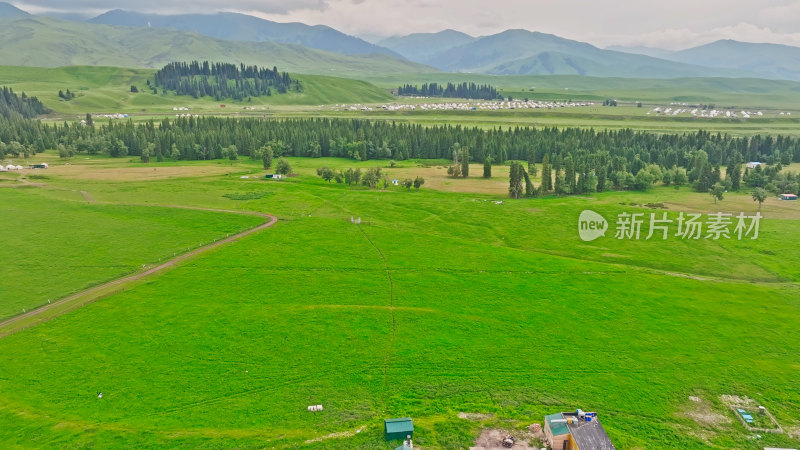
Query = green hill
x=241 y=27
x=107 y=89
x=43 y=42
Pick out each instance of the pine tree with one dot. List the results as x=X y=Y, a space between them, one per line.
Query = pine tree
x=547 y=180
x=515 y=179
x=487 y=167
x=464 y=162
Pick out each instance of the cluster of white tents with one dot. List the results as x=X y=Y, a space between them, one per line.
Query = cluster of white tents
x=468 y=106
x=706 y=114
x=9 y=168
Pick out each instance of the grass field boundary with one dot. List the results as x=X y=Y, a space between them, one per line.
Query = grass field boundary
x=95 y=293
x=388 y=357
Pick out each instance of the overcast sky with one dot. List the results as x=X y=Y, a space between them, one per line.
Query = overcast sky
x=672 y=24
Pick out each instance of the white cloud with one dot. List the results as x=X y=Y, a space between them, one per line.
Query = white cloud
x=168 y=6
x=784 y=17
x=679 y=39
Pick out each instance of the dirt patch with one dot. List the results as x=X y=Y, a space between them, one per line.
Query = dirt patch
x=474 y=416
x=613 y=255
x=337 y=435
x=492 y=439
x=87 y=196
x=85 y=172
x=701 y=412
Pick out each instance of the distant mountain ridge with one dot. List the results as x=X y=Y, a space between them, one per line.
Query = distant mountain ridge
x=9 y=11
x=424 y=46
x=241 y=27
x=147 y=40
x=774 y=61
x=46 y=42
x=522 y=52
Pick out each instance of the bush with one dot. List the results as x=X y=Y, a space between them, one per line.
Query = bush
x=283 y=167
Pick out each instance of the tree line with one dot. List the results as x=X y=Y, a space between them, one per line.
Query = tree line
x=451 y=90
x=572 y=159
x=222 y=80
x=12 y=104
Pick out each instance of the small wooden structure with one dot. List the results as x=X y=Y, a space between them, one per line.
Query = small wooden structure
x=788 y=197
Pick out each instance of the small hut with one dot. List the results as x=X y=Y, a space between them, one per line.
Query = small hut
x=398 y=428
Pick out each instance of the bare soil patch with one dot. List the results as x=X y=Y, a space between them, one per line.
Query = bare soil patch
x=474 y=416
x=337 y=435
x=492 y=439
x=84 y=172
x=703 y=414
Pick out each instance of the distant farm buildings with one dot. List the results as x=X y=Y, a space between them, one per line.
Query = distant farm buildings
x=753 y=164
x=576 y=431
x=788 y=197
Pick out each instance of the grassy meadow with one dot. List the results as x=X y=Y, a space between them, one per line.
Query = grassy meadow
x=56 y=246
x=441 y=301
x=106 y=90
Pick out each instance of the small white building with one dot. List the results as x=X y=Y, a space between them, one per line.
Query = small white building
x=753 y=164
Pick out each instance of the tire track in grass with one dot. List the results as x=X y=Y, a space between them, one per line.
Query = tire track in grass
x=388 y=356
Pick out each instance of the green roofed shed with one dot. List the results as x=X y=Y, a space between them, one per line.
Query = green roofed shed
x=398 y=428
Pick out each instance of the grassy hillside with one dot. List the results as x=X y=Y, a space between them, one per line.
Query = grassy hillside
x=241 y=27
x=44 y=42
x=767 y=60
x=107 y=89
x=437 y=303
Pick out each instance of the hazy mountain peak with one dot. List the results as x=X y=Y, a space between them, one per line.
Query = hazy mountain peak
x=9 y=11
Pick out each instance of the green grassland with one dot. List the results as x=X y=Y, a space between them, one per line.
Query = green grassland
x=438 y=302
x=107 y=90
x=55 y=246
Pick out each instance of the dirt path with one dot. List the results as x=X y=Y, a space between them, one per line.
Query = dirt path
x=7 y=326
x=87 y=196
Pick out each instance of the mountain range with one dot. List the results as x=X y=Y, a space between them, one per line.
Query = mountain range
x=47 y=42
x=241 y=27
x=522 y=52
x=149 y=40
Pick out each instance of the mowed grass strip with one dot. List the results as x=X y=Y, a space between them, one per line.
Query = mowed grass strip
x=56 y=247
